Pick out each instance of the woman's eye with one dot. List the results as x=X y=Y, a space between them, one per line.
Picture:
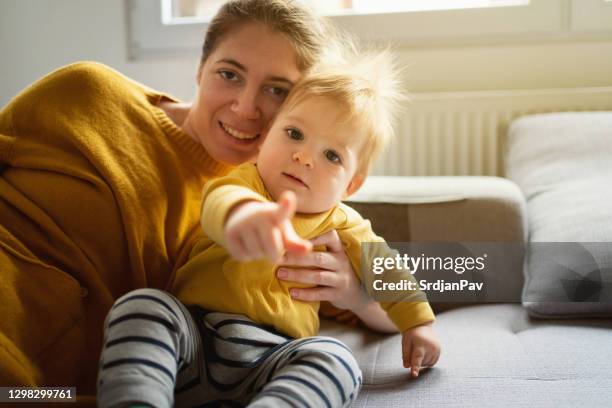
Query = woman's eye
x=279 y=92
x=294 y=134
x=332 y=156
x=228 y=75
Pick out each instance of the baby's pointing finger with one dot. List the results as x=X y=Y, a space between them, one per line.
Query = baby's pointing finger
x=271 y=241
x=286 y=206
x=293 y=242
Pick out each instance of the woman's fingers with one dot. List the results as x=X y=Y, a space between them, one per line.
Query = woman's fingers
x=309 y=276
x=331 y=271
x=330 y=239
x=312 y=294
x=317 y=259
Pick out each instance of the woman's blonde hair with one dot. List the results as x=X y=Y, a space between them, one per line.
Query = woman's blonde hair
x=366 y=86
x=307 y=32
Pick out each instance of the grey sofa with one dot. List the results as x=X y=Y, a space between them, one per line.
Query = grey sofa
x=493 y=354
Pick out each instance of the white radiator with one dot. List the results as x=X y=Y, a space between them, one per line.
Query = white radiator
x=463 y=133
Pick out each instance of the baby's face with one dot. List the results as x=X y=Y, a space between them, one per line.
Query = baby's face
x=311 y=151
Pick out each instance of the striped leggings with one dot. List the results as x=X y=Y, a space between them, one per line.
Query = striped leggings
x=160 y=353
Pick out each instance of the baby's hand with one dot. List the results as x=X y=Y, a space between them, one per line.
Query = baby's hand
x=254 y=230
x=420 y=348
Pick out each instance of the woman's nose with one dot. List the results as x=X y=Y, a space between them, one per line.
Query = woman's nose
x=302 y=157
x=246 y=104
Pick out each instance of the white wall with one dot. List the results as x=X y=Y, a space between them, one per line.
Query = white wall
x=37 y=36
x=525 y=66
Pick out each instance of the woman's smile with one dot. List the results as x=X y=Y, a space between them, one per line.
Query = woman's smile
x=237 y=134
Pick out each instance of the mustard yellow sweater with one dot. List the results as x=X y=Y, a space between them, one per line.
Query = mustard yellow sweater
x=99 y=194
x=215 y=281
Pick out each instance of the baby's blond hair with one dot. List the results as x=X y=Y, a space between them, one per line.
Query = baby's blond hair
x=366 y=86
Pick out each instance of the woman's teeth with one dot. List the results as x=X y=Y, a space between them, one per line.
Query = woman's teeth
x=238 y=134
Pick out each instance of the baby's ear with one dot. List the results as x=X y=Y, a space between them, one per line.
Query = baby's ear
x=354 y=184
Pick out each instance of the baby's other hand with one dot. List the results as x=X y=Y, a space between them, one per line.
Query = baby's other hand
x=420 y=348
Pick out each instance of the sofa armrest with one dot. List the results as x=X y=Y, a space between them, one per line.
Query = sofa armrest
x=453 y=209
x=443 y=209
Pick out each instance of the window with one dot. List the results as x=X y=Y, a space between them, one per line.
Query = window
x=188 y=11
x=176 y=11
x=166 y=27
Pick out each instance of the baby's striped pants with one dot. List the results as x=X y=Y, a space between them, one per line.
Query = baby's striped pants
x=160 y=353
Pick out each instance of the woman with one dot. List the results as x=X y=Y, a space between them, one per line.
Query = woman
x=101 y=182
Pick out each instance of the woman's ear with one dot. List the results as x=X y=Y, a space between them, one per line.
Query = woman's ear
x=199 y=73
x=355 y=184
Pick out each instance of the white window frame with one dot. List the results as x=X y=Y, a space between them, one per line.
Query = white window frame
x=540 y=20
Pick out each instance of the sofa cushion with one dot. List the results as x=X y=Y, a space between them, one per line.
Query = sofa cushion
x=563 y=164
x=452 y=216
x=492 y=355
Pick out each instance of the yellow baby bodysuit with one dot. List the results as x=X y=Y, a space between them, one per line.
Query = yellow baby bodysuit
x=212 y=279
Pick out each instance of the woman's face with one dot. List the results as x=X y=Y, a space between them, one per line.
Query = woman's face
x=241 y=85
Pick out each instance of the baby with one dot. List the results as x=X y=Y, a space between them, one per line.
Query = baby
x=243 y=338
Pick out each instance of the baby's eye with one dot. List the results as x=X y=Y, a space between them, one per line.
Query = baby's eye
x=294 y=134
x=228 y=75
x=332 y=156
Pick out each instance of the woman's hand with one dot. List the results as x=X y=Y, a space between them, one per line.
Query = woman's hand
x=331 y=271
x=336 y=283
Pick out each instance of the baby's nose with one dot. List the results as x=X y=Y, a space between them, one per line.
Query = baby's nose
x=303 y=158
